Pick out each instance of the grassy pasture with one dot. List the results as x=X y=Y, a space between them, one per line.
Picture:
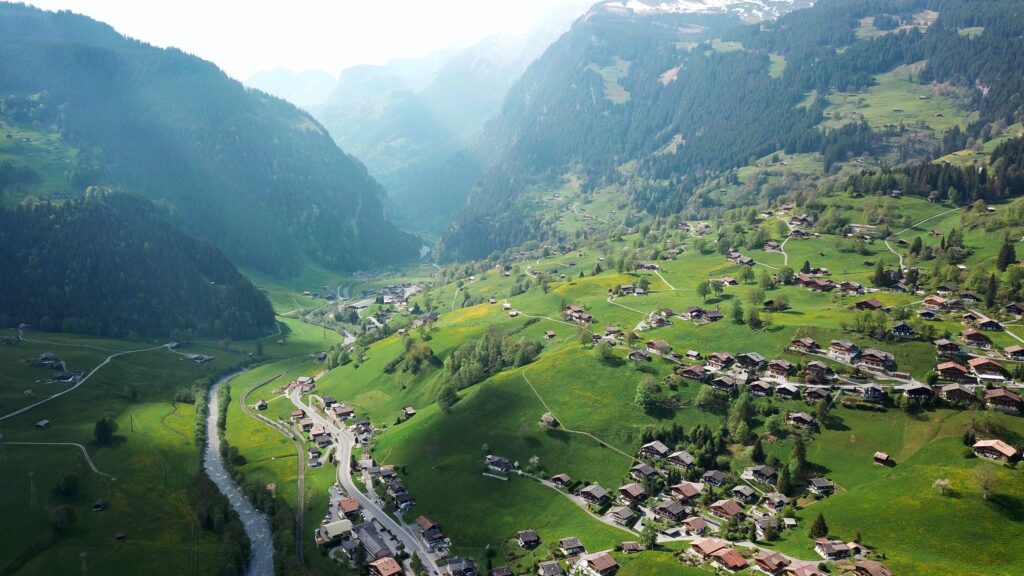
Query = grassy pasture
x=152 y=461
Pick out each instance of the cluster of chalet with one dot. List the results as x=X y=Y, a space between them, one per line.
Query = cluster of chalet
x=49 y=360
x=847 y=352
x=576 y=558
x=577 y=314
x=737 y=258
x=395 y=488
x=432 y=535
x=700 y=315
x=340 y=529
x=399 y=293
x=936 y=307
x=363 y=543
x=720 y=555
x=317 y=434
x=304 y=384
x=817 y=280
x=679 y=505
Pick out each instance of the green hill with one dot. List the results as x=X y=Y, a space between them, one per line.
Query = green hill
x=668 y=109
x=111 y=264
x=251 y=173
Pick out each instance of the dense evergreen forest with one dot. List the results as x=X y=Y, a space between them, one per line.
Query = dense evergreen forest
x=111 y=264
x=724 y=104
x=251 y=173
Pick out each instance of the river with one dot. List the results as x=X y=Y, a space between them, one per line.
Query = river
x=257 y=526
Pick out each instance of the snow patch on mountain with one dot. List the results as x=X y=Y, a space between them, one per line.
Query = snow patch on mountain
x=749 y=10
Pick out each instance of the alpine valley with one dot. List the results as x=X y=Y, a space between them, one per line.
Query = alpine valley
x=664 y=288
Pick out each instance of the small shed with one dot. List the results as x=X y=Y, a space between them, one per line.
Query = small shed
x=42 y=425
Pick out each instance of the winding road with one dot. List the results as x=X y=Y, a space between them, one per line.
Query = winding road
x=88 y=459
x=343 y=444
x=900 y=256
x=80 y=382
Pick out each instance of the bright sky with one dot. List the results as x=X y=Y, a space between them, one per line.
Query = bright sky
x=255 y=36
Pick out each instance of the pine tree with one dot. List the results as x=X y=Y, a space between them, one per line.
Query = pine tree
x=991 y=290
x=784 y=484
x=757 y=454
x=820 y=528
x=879 y=277
x=806 y=268
x=104 y=431
x=1007 y=256
x=737 y=313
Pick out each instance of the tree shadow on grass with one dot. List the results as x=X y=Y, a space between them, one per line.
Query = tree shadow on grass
x=612 y=361
x=116 y=441
x=1011 y=507
x=833 y=422
x=558 y=434
x=661 y=412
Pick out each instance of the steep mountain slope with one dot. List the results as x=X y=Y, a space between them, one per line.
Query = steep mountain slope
x=110 y=264
x=415 y=123
x=665 y=104
x=251 y=173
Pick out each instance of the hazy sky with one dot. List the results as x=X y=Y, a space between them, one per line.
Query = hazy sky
x=248 y=37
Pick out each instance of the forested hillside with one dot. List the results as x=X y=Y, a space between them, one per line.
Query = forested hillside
x=110 y=264
x=663 y=105
x=253 y=174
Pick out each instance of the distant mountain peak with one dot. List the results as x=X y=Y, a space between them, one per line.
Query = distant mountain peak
x=748 y=10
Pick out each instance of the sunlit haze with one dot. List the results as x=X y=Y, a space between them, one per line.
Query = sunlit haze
x=316 y=34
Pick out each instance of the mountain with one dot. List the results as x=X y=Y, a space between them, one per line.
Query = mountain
x=747 y=10
x=416 y=123
x=664 y=104
x=306 y=89
x=254 y=175
x=111 y=264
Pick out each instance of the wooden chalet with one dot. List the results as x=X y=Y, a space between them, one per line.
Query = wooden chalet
x=995 y=450
x=805 y=345
x=1003 y=400
x=956 y=394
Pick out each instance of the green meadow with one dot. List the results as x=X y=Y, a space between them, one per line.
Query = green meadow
x=151 y=463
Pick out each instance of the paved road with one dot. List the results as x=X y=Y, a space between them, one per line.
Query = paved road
x=88 y=460
x=343 y=450
x=256 y=523
x=80 y=382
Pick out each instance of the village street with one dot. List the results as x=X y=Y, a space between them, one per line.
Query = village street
x=343 y=444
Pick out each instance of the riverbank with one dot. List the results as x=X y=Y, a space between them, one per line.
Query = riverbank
x=256 y=524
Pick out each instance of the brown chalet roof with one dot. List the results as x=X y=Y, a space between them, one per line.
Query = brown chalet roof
x=695 y=523
x=386 y=567
x=999 y=446
x=728 y=507
x=707 y=546
x=1002 y=393
x=772 y=560
x=730 y=558
x=951 y=366
x=633 y=490
x=802 y=569
x=686 y=490
x=601 y=561
x=350 y=505
x=975 y=362
x=871 y=568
